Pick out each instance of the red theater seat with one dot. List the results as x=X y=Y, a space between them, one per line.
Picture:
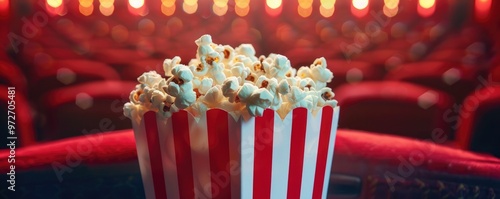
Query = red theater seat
x=494 y=74
x=479 y=121
x=71 y=111
x=352 y=72
x=455 y=79
x=365 y=165
x=118 y=58
x=391 y=107
x=384 y=59
x=11 y=75
x=69 y=72
x=21 y=117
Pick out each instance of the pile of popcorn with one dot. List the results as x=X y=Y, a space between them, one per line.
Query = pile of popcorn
x=232 y=79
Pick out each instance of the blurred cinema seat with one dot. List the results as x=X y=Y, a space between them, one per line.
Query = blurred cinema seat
x=392 y=107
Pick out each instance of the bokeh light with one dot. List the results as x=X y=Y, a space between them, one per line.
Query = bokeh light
x=359 y=8
x=106 y=11
x=54 y=3
x=360 y=4
x=219 y=11
x=304 y=12
x=106 y=3
x=168 y=10
x=273 y=4
x=391 y=4
x=426 y=3
x=85 y=11
x=328 y=4
x=426 y=8
x=190 y=6
x=136 y=3
x=326 y=12
x=390 y=12
x=482 y=8
x=242 y=11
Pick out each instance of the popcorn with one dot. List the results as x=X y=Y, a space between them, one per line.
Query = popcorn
x=233 y=79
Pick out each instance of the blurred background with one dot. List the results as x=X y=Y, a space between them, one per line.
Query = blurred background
x=417 y=69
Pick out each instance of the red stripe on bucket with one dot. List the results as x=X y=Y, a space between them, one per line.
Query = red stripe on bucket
x=324 y=138
x=263 y=153
x=155 y=155
x=298 y=141
x=218 y=142
x=180 y=128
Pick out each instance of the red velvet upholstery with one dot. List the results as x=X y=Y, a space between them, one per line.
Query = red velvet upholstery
x=479 y=121
x=393 y=107
x=11 y=75
x=358 y=154
x=352 y=72
x=385 y=59
x=23 y=118
x=117 y=57
x=69 y=72
x=495 y=74
x=74 y=110
x=455 y=79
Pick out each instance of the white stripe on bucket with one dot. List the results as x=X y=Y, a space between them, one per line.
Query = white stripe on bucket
x=281 y=156
x=167 y=147
x=310 y=154
x=247 y=158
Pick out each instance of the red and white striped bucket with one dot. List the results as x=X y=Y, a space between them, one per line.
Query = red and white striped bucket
x=214 y=156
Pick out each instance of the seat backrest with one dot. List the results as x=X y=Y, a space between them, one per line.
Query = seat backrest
x=479 y=121
x=397 y=108
x=86 y=108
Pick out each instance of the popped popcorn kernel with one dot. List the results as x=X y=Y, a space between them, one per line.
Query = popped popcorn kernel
x=232 y=79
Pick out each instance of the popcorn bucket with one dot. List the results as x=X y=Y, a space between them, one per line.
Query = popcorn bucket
x=218 y=156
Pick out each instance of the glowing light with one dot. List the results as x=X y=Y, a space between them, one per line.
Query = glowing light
x=86 y=3
x=168 y=10
x=426 y=3
x=4 y=8
x=390 y=12
x=241 y=11
x=273 y=4
x=55 y=7
x=141 y=11
x=426 y=8
x=304 y=12
x=168 y=3
x=305 y=3
x=273 y=12
x=106 y=3
x=219 y=11
x=326 y=12
x=54 y=3
x=220 y=3
x=86 y=11
x=136 y=3
x=482 y=8
x=191 y=2
x=106 y=11
x=190 y=9
x=391 y=4
x=242 y=3
x=146 y=26
x=359 y=8
x=327 y=4
x=360 y=4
